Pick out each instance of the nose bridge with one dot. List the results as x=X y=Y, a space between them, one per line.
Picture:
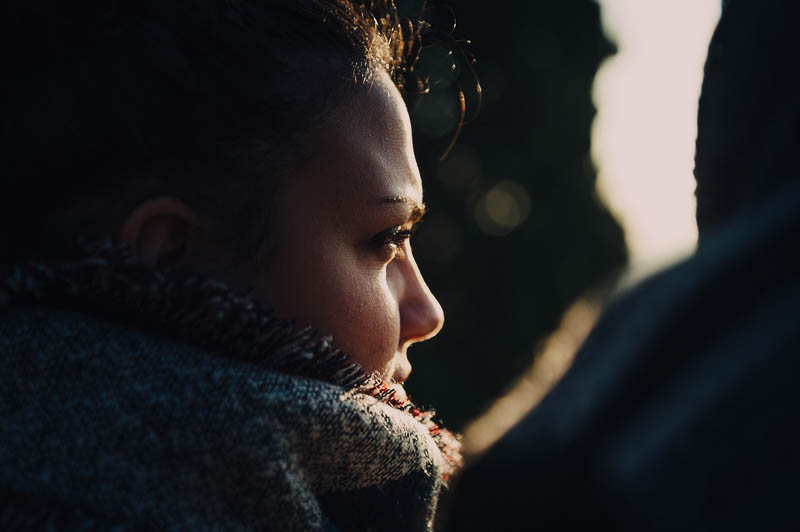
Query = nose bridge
x=421 y=315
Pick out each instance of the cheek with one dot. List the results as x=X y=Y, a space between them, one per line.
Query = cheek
x=366 y=321
x=336 y=293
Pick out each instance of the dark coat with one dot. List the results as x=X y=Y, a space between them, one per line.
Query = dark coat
x=680 y=411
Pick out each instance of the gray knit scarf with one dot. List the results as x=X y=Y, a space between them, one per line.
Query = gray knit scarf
x=137 y=399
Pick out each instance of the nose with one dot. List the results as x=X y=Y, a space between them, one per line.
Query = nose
x=421 y=315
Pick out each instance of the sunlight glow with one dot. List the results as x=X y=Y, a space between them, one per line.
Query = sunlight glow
x=643 y=137
x=550 y=364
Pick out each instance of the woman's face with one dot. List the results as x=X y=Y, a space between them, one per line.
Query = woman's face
x=342 y=260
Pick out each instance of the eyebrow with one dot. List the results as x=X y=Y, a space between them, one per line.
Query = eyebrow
x=417 y=209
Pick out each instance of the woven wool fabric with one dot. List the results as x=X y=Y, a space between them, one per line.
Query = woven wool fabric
x=139 y=400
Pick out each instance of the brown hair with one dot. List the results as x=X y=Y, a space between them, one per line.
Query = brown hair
x=210 y=101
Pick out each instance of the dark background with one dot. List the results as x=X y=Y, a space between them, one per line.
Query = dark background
x=514 y=231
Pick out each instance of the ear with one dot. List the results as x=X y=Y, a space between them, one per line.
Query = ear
x=158 y=231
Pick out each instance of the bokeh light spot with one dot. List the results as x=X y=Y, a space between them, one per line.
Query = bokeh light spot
x=461 y=169
x=503 y=208
x=437 y=114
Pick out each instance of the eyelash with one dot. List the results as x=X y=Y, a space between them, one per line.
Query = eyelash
x=391 y=240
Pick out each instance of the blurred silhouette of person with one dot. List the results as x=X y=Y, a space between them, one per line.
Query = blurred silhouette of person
x=680 y=411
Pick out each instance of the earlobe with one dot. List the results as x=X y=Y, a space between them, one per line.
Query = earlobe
x=158 y=231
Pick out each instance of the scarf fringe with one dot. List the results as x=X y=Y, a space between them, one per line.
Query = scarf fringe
x=109 y=281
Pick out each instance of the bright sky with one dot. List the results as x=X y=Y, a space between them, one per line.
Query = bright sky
x=644 y=133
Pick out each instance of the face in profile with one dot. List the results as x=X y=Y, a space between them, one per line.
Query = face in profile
x=342 y=258
x=339 y=257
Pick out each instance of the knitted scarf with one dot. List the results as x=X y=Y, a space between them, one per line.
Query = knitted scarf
x=151 y=400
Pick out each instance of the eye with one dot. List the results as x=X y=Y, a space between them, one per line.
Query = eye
x=388 y=244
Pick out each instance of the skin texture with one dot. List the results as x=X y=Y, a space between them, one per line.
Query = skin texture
x=330 y=266
x=333 y=262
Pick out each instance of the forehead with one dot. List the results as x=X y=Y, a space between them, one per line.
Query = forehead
x=366 y=149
